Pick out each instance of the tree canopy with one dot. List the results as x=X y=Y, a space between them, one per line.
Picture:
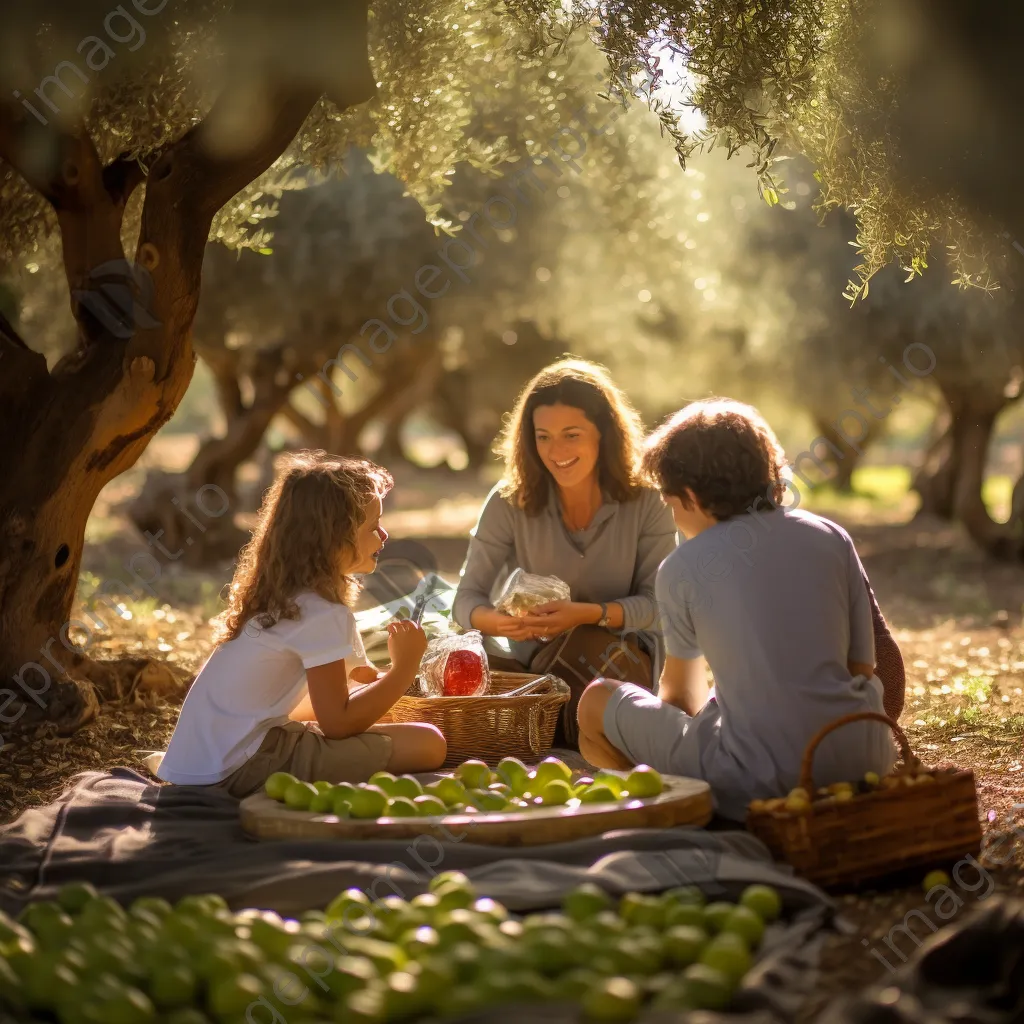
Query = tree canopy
x=905 y=110
x=836 y=80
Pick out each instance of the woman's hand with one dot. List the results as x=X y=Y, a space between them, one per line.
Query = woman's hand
x=554 y=617
x=512 y=627
x=494 y=623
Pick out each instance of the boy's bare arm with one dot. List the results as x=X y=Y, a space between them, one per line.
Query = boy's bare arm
x=860 y=668
x=684 y=683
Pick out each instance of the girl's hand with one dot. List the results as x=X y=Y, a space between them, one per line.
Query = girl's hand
x=556 y=617
x=406 y=644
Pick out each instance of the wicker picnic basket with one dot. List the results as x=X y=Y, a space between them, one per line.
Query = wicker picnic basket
x=844 y=842
x=492 y=726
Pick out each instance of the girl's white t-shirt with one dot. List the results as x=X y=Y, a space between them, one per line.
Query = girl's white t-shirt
x=253 y=683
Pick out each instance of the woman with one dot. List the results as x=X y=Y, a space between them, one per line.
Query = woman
x=571 y=505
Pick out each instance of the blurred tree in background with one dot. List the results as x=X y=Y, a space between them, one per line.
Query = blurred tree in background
x=848 y=367
x=269 y=323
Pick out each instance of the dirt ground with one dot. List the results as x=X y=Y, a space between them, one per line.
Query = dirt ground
x=956 y=615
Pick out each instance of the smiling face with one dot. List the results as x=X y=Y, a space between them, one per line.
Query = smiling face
x=369 y=541
x=568 y=443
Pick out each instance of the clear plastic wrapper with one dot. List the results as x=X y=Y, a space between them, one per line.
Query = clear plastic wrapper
x=524 y=591
x=455 y=665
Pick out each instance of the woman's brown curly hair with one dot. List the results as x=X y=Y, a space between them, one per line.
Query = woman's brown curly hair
x=307 y=524
x=721 y=450
x=581 y=385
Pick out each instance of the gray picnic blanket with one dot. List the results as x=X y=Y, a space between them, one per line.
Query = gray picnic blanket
x=130 y=837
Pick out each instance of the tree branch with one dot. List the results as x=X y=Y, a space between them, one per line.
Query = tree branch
x=224 y=365
x=331 y=410
x=71 y=178
x=187 y=177
x=309 y=430
x=244 y=432
x=387 y=395
x=318 y=47
x=23 y=142
x=246 y=425
x=69 y=175
x=121 y=177
x=221 y=176
x=1017 y=504
x=268 y=381
x=405 y=374
x=20 y=366
x=974 y=419
x=250 y=124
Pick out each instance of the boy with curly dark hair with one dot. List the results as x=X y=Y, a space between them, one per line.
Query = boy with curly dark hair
x=774 y=598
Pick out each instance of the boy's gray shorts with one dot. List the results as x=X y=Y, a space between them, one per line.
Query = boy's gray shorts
x=649 y=731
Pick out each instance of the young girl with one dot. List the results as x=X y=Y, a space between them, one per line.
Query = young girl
x=274 y=695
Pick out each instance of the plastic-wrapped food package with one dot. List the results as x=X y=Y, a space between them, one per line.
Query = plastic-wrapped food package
x=455 y=665
x=524 y=591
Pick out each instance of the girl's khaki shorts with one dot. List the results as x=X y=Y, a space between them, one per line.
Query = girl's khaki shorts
x=302 y=749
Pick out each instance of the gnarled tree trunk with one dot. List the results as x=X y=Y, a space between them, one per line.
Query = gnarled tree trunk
x=974 y=417
x=842 y=480
x=1017 y=502
x=406 y=382
x=454 y=411
x=70 y=430
x=391 y=449
x=935 y=481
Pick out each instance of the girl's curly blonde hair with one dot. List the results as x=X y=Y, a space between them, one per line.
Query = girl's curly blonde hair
x=307 y=524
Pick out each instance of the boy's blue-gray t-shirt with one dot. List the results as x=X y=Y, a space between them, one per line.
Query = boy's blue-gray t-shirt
x=777 y=604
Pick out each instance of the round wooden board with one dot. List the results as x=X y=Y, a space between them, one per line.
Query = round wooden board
x=683 y=802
